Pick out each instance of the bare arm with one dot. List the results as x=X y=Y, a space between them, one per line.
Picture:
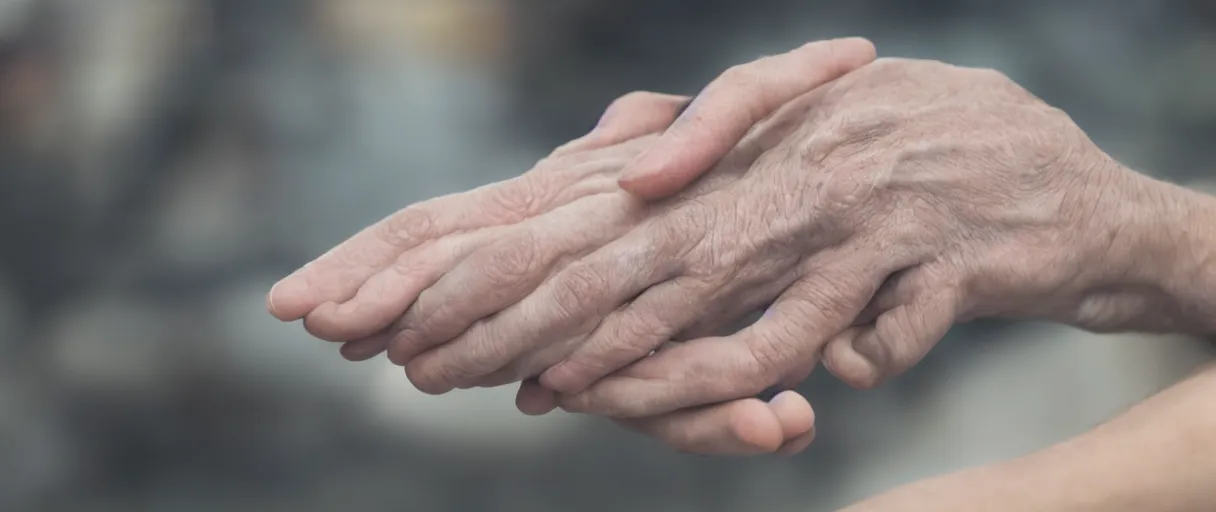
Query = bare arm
x=1160 y=455
x=1171 y=252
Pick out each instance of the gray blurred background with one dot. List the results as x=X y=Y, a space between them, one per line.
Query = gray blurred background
x=162 y=162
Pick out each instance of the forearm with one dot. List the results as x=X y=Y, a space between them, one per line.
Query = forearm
x=1161 y=259
x=1160 y=455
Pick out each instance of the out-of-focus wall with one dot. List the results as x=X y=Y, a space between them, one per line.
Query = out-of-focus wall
x=162 y=162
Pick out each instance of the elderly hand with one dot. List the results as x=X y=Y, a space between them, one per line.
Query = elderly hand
x=932 y=193
x=353 y=293
x=361 y=286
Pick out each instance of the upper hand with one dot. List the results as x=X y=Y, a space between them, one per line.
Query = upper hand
x=911 y=195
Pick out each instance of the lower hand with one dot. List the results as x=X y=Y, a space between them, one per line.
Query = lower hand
x=909 y=195
x=360 y=287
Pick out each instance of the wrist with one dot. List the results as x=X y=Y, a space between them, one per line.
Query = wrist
x=1157 y=259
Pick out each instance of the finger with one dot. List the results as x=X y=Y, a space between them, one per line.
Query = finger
x=723 y=113
x=898 y=289
x=364 y=349
x=386 y=294
x=798 y=444
x=338 y=274
x=505 y=272
x=532 y=364
x=737 y=314
x=632 y=115
x=534 y=400
x=865 y=356
x=710 y=370
x=629 y=334
x=740 y=427
x=570 y=303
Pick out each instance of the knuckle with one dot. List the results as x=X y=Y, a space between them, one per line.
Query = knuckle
x=841 y=358
x=684 y=227
x=738 y=77
x=578 y=286
x=840 y=194
x=888 y=66
x=641 y=330
x=484 y=358
x=431 y=319
x=867 y=126
x=831 y=297
x=510 y=260
x=410 y=226
x=519 y=198
x=771 y=354
x=629 y=101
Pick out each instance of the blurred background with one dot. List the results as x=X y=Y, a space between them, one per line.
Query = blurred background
x=162 y=162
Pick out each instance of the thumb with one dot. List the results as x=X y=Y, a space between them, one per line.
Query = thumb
x=898 y=339
x=738 y=99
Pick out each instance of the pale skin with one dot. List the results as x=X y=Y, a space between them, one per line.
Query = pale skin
x=1156 y=457
x=867 y=206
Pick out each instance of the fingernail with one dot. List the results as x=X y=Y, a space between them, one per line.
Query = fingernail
x=270 y=300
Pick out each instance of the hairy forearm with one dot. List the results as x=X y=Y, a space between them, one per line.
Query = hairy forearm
x=1160 y=260
x=1160 y=456
x=1187 y=239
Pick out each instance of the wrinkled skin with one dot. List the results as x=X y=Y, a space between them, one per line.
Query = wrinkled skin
x=355 y=293
x=872 y=214
x=959 y=190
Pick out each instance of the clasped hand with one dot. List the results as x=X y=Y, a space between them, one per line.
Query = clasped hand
x=865 y=207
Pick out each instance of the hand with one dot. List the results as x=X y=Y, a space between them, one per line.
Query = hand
x=744 y=426
x=362 y=285
x=323 y=292
x=441 y=322
x=931 y=193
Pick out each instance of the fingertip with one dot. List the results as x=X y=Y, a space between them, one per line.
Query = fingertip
x=794 y=413
x=754 y=424
x=843 y=360
x=534 y=400
x=321 y=323
x=426 y=385
x=861 y=50
x=361 y=350
x=287 y=300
